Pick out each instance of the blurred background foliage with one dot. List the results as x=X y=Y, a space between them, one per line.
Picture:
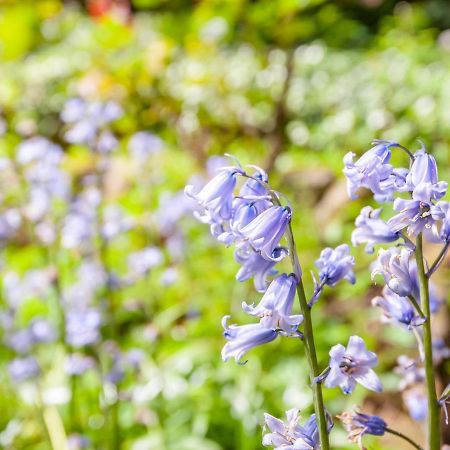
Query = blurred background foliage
x=290 y=85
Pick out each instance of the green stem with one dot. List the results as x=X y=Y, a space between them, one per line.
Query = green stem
x=405 y=438
x=433 y=405
x=310 y=348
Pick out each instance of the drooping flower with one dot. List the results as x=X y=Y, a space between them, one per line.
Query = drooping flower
x=243 y=338
x=371 y=230
x=254 y=265
x=441 y=211
x=424 y=171
x=416 y=401
x=352 y=365
x=289 y=435
x=358 y=424
x=335 y=265
x=397 y=309
x=216 y=197
x=22 y=369
x=415 y=213
x=266 y=230
x=394 y=265
x=275 y=307
x=372 y=171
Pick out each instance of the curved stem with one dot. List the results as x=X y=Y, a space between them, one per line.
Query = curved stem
x=404 y=437
x=433 y=405
x=439 y=260
x=310 y=348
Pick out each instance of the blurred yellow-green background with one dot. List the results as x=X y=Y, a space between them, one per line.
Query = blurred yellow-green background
x=288 y=85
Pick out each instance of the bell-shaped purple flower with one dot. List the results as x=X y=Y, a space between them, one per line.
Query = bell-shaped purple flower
x=22 y=369
x=424 y=171
x=217 y=195
x=254 y=265
x=335 y=265
x=414 y=214
x=358 y=424
x=290 y=435
x=243 y=338
x=275 y=307
x=372 y=171
x=371 y=230
x=394 y=265
x=397 y=309
x=441 y=211
x=352 y=365
x=264 y=232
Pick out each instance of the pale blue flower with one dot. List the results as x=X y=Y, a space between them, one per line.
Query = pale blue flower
x=243 y=338
x=142 y=144
x=22 y=369
x=416 y=402
x=335 y=265
x=397 y=309
x=371 y=230
x=265 y=232
x=275 y=307
x=289 y=435
x=441 y=211
x=254 y=265
x=352 y=365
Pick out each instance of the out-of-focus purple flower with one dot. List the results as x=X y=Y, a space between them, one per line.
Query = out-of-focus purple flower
x=21 y=341
x=410 y=373
x=10 y=221
x=216 y=196
x=265 y=232
x=397 y=309
x=424 y=171
x=291 y=435
x=394 y=265
x=416 y=401
x=441 y=211
x=352 y=365
x=115 y=222
x=22 y=369
x=254 y=265
x=82 y=327
x=106 y=142
x=358 y=424
x=170 y=276
x=77 y=364
x=275 y=307
x=335 y=265
x=143 y=144
x=372 y=171
x=371 y=230
x=243 y=338
x=441 y=351
x=140 y=262
x=39 y=149
x=414 y=214
x=42 y=331
x=78 y=441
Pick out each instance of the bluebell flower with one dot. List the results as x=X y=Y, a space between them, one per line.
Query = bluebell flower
x=441 y=211
x=290 y=435
x=254 y=265
x=371 y=230
x=424 y=172
x=335 y=265
x=82 y=326
x=78 y=364
x=372 y=171
x=275 y=307
x=397 y=309
x=142 y=144
x=216 y=197
x=358 y=424
x=352 y=365
x=265 y=232
x=243 y=338
x=416 y=402
x=415 y=213
x=394 y=265
x=22 y=369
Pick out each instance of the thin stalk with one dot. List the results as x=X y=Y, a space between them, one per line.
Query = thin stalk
x=416 y=305
x=405 y=438
x=438 y=260
x=310 y=348
x=433 y=405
